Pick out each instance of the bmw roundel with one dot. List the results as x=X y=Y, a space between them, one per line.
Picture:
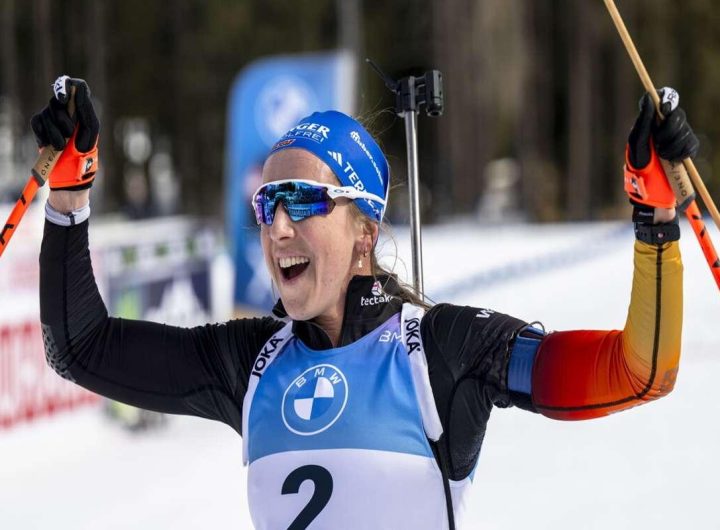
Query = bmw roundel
x=314 y=400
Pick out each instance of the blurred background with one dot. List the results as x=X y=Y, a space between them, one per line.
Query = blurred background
x=545 y=84
x=522 y=172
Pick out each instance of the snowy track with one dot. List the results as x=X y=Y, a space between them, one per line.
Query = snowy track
x=655 y=466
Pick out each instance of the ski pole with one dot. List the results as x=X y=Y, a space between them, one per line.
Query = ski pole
x=677 y=174
x=38 y=175
x=410 y=118
x=411 y=95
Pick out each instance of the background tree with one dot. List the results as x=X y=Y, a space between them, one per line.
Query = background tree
x=545 y=83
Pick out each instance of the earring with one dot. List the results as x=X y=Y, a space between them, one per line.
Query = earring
x=364 y=255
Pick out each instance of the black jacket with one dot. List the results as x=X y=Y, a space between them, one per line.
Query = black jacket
x=203 y=371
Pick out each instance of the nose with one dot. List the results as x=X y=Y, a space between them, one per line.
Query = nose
x=282 y=227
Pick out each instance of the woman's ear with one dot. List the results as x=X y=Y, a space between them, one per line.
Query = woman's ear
x=368 y=236
x=374 y=231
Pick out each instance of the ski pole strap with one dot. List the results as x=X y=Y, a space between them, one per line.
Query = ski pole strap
x=653 y=234
x=520 y=367
x=658 y=234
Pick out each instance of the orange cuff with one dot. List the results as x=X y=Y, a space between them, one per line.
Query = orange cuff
x=74 y=169
x=648 y=185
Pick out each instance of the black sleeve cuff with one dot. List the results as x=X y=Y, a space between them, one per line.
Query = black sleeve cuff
x=648 y=232
x=659 y=233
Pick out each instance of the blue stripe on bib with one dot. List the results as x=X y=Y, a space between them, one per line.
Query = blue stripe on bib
x=359 y=396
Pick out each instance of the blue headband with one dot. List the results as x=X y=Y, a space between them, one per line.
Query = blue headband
x=344 y=145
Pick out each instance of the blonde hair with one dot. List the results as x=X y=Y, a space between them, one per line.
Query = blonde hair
x=407 y=293
x=370 y=120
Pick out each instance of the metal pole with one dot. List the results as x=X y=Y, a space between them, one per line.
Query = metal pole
x=414 y=196
x=412 y=93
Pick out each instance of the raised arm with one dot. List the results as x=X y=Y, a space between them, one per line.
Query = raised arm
x=586 y=374
x=200 y=371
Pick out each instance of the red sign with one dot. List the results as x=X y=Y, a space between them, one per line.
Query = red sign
x=28 y=386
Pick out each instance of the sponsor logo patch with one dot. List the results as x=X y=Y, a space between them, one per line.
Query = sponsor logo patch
x=312 y=131
x=282 y=143
x=263 y=359
x=377 y=289
x=60 y=89
x=315 y=400
x=390 y=336
x=485 y=313
x=378 y=296
x=412 y=335
x=356 y=138
x=337 y=157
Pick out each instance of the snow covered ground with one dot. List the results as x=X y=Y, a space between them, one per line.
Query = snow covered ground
x=656 y=466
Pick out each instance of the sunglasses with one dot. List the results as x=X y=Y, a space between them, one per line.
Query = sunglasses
x=302 y=199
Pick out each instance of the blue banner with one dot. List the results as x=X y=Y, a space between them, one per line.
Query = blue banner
x=267 y=98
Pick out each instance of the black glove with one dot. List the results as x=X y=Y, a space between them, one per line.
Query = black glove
x=78 y=163
x=674 y=138
x=53 y=125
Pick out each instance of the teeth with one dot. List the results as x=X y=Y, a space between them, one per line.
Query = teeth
x=295 y=260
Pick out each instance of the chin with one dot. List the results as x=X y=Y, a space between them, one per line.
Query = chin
x=297 y=304
x=299 y=311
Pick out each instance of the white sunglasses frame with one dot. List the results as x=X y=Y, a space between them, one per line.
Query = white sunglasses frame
x=334 y=192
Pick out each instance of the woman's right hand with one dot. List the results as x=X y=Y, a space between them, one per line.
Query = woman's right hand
x=650 y=140
x=77 y=137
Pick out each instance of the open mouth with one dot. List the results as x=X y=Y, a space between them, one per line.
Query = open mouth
x=293 y=267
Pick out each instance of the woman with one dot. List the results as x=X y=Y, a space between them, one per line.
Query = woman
x=378 y=400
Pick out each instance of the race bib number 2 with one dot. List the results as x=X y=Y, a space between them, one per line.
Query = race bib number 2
x=322 y=479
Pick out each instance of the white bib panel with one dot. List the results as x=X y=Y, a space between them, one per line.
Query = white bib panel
x=370 y=490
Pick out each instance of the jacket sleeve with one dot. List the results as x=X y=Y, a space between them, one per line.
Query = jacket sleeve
x=467 y=351
x=200 y=371
x=586 y=374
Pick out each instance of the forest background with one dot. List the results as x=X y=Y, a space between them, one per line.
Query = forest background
x=543 y=85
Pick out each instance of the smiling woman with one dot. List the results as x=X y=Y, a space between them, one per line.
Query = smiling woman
x=313 y=260
x=359 y=387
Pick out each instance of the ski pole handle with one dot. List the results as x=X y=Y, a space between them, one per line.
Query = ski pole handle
x=682 y=185
x=679 y=182
x=38 y=175
x=49 y=155
x=678 y=177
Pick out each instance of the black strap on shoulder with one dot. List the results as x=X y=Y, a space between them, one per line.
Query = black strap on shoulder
x=446 y=481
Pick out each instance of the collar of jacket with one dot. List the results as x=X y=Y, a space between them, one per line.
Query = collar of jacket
x=369 y=302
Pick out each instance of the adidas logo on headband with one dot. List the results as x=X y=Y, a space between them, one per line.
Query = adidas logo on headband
x=337 y=157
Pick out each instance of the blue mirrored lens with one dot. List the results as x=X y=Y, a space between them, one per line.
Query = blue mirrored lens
x=300 y=200
x=298 y=212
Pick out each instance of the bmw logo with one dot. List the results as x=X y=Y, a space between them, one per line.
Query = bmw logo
x=314 y=400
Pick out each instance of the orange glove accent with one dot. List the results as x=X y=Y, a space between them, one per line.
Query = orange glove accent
x=648 y=185
x=74 y=169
